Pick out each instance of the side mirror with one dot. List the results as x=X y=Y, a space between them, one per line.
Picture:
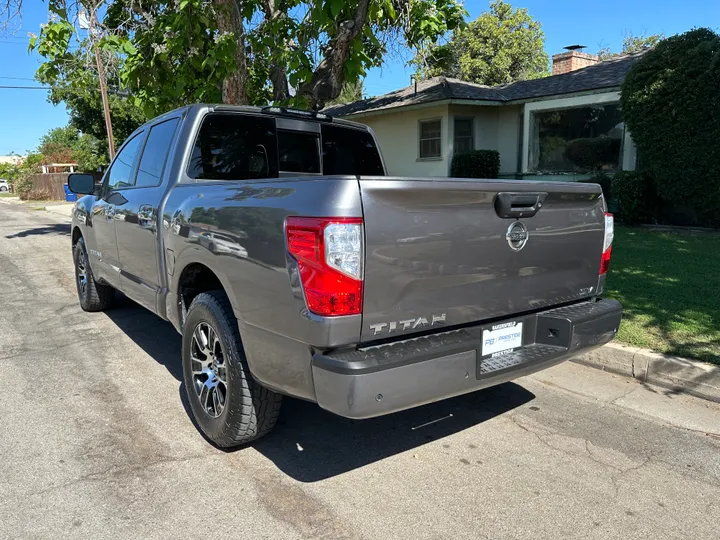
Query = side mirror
x=81 y=183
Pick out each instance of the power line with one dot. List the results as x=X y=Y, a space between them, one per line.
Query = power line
x=18 y=78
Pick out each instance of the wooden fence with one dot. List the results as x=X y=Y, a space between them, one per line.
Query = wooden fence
x=51 y=183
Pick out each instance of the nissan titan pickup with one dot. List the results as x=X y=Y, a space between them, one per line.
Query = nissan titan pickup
x=292 y=265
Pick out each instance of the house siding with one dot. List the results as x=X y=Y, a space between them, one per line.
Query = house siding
x=398 y=134
x=502 y=127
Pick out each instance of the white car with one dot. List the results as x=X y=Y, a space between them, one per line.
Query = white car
x=4 y=185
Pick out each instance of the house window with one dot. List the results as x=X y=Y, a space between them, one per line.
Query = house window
x=430 y=141
x=582 y=139
x=463 y=140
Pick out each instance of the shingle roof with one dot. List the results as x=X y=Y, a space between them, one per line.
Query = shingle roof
x=607 y=74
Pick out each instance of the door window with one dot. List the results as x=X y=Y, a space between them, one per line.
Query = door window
x=121 y=170
x=155 y=153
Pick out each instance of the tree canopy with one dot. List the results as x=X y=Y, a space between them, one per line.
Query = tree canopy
x=631 y=44
x=671 y=105
x=299 y=52
x=502 y=45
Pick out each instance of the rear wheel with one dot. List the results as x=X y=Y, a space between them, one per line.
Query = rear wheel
x=3 y=188
x=229 y=406
x=93 y=296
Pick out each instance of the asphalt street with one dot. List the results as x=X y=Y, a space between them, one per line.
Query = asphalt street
x=96 y=441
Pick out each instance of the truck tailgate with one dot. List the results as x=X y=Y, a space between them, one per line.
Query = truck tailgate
x=438 y=250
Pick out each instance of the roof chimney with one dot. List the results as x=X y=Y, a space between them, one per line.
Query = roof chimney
x=572 y=60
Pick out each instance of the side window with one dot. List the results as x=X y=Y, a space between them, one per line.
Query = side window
x=234 y=147
x=430 y=142
x=155 y=154
x=299 y=151
x=122 y=167
x=463 y=140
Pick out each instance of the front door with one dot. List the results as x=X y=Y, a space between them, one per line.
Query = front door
x=103 y=250
x=137 y=231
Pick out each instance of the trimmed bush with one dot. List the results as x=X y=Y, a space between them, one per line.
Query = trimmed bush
x=636 y=198
x=592 y=153
x=476 y=164
x=670 y=103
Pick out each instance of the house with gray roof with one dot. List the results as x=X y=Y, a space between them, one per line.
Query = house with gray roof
x=535 y=125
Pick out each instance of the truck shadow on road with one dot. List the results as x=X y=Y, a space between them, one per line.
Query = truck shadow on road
x=310 y=444
x=56 y=228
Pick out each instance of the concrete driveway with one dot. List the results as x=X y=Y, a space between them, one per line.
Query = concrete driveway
x=97 y=442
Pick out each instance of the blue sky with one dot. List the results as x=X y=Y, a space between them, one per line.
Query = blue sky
x=25 y=115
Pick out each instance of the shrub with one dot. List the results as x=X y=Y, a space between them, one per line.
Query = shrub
x=670 y=103
x=22 y=186
x=636 y=198
x=605 y=182
x=36 y=194
x=592 y=153
x=476 y=164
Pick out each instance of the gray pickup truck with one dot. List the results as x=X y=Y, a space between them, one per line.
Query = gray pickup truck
x=274 y=243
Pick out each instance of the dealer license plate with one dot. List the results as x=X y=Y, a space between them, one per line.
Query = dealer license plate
x=501 y=338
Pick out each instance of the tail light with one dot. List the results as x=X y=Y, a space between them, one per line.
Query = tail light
x=329 y=253
x=607 y=243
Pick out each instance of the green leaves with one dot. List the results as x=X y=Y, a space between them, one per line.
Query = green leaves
x=170 y=53
x=336 y=7
x=670 y=103
x=502 y=45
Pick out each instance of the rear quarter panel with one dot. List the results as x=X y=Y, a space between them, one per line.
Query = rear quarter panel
x=237 y=230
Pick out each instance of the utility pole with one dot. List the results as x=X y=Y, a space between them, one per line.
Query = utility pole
x=106 y=104
x=89 y=24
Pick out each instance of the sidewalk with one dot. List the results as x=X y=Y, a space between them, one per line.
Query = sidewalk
x=59 y=208
x=679 y=375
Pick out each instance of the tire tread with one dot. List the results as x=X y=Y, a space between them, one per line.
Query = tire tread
x=255 y=409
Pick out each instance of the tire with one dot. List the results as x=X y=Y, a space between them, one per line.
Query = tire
x=93 y=296
x=228 y=405
x=3 y=188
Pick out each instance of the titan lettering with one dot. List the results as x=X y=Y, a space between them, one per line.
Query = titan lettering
x=407 y=324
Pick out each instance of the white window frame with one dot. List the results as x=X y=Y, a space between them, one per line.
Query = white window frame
x=605 y=98
x=420 y=139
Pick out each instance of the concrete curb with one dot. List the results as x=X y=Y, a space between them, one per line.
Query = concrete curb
x=676 y=374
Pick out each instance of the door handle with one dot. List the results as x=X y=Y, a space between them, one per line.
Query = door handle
x=146 y=216
x=517 y=205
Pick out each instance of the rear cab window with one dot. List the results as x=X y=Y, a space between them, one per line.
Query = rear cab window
x=236 y=146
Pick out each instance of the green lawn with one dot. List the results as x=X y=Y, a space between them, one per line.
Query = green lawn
x=669 y=285
x=7 y=194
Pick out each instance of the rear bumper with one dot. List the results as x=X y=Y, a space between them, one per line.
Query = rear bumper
x=384 y=379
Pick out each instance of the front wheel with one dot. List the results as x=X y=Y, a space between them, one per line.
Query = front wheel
x=93 y=296
x=229 y=406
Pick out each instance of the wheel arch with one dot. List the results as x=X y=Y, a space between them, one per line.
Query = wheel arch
x=76 y=235
x=195 y=278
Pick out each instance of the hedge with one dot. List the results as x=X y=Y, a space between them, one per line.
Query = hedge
x=605 y=182
x=476 y=164
x=635 y=196
x=671 y=105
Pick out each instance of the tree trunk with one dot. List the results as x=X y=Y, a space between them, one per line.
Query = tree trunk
x=278 y=72
x=230 y=20
x=327 y=80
